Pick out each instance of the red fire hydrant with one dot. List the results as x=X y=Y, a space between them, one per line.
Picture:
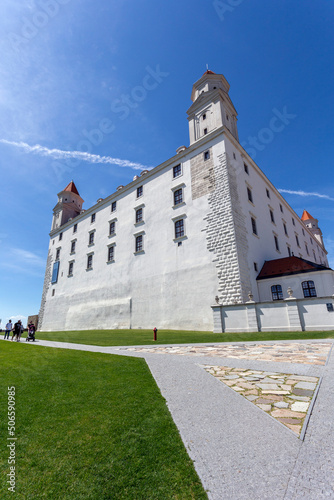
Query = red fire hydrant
x=155 y=333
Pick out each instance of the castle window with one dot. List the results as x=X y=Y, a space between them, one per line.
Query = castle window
x=57 y=254
x=249 y=194
x=204 y=116
x=206 y=155
x=297 y=241
x=303 y=232
x=246 y=169
x=205 y=131
x=53 y=292
x=281 y=208
x=70 y=269
x=309 y=289
x=90 y=261
x=268 y=193
x=177 y=171
x=276 y=292
x=311 y=241
x=276 y=243
x=93 y=217
x=285 y=229
x=139 y=215
x=139 y=243
x=75 y=228
x=91 y=238
x=227 y=117
x=60 y=236
x=113 y=206
x=139 y=191
x=306 y=248
x=254 y=228
x=179 y=228
x=272 y=218
x=178 y=196
x=289 y=250
x=55 y=270
x=112 y=226
x=293 y=221
x=255 y=267
x=73 y=246
x=111 y=253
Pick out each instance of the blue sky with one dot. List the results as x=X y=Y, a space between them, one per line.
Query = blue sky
x=93 y=91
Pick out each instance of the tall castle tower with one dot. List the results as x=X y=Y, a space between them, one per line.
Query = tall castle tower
x=312 y=224
x=211 y=108
x=69 y=206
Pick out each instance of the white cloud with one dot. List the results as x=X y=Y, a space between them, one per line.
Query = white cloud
x=26 y=257
x=304 y=193
x=78 y=155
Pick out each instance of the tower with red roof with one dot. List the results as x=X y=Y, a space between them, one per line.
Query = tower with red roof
x=69 y=206
x=312 y=224
x=211 y=108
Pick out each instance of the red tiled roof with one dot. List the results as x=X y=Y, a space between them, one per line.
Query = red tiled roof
x=286 y=266
x=208 y=72
x=306 y=215
x=72 y=188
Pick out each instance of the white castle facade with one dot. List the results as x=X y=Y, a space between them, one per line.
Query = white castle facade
x=200 y=226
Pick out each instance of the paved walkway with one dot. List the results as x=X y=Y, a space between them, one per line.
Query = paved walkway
x=239 y=450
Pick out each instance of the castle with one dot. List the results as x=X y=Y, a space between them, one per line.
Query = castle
x=203 y=231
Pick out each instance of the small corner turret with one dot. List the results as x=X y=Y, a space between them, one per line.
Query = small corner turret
x=211 y=108
x=69 y=206
x=312 y=225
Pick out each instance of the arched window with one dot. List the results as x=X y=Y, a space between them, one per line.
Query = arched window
x=309 y=289
x=276 y=292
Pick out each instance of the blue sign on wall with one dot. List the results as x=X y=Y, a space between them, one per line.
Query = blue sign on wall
x=54 y=278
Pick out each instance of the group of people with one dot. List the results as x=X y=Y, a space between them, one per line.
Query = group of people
x=17 y=330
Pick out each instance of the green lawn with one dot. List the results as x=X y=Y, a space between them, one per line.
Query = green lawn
x=145 y=337
x=90 y=426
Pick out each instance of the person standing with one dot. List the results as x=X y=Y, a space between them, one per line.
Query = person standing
x=8 y=329
x=17 y=331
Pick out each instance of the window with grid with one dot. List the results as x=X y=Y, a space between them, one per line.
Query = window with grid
x=272 y=218
x=73 y=247
x=110 y=253
x=309 y=289
x=139 y=243
x=285 y=229
x=276 y=292
x=89 y=262
x=178 y=196
x=276 y=243
x=254 y=228
x=176 y=171
x=93 y=217
x=249 y=194
x=70 y=269
x=112 y=228
x=113 y=206
x=139 y=215
x=60 y=236
x=75 y=228
x=179 y=228
x=139 y=191
x=91 y=238
x=57 y=254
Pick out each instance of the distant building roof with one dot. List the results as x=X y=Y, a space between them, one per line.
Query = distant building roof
x=72 y=188
x=306 y=215
x=288 y=266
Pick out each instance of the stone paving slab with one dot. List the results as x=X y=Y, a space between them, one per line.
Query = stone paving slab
x=310 y=353
x=264 y=389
